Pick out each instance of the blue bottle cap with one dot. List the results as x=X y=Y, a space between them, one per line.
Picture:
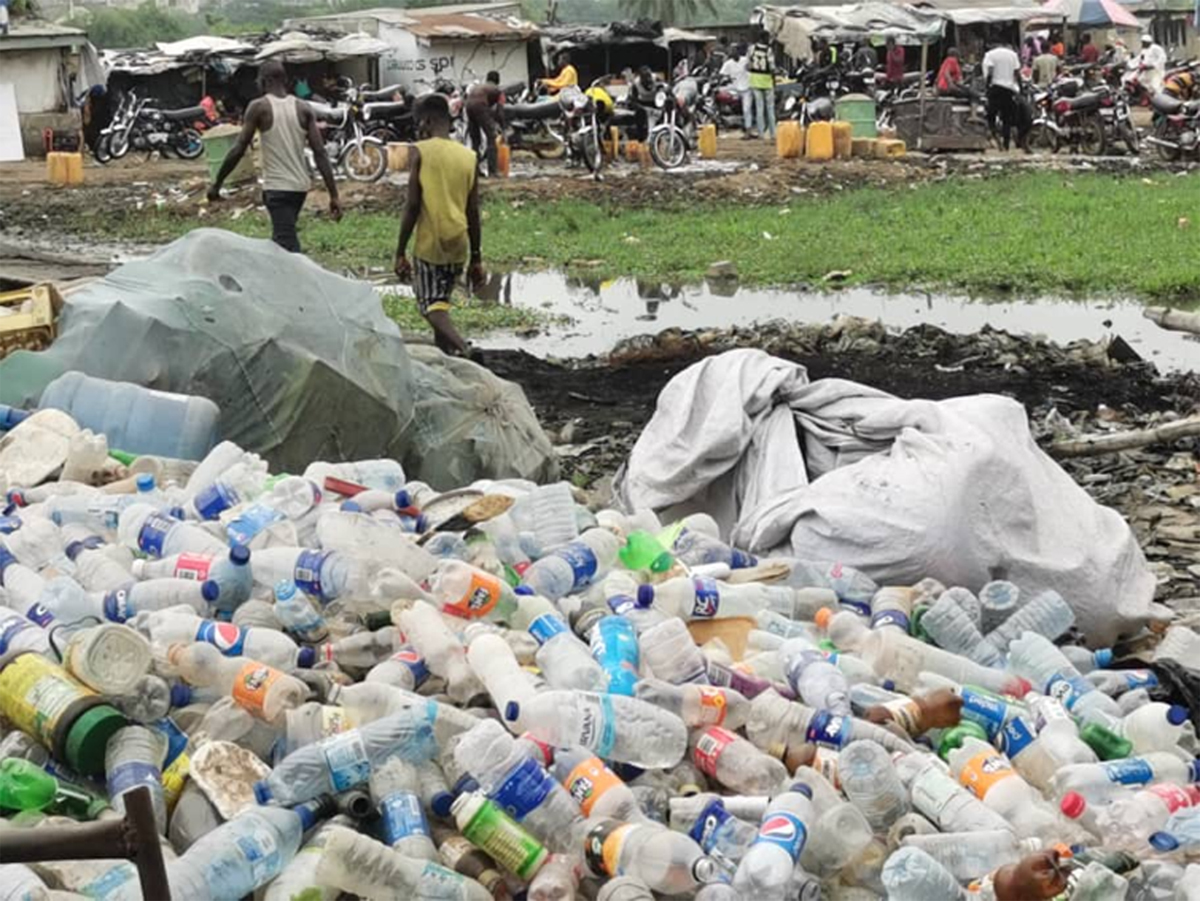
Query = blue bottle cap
x=145 y=482
x=645 y=595
x=804 y=789
x=1103 y=658
x=263 y=793
x=210 y=591
x=306 y=658
x=285 y=590
x=403 y=499
x=1164 y=841
x=440 y=803
x=1177 y=715
x=512 y=710
x=888 y=685
x=181 y=695
x=308 y=816
x=524 y=591
x=239 y=555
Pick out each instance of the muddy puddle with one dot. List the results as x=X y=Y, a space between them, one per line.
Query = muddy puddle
x=593 y=315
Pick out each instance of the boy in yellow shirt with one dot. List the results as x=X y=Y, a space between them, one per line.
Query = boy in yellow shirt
x=443 y=209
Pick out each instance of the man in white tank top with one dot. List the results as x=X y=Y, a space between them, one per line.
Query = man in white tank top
x=286 y=125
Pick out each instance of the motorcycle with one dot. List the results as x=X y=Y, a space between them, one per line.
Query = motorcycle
x=1117 y=120
x=672 y=135
x=169 y=132
x=387 y=113
x=121 y=121
x=360 y=156
x=1176 y=127
x=531 y=124
x=720 y=104
x=1071 y=119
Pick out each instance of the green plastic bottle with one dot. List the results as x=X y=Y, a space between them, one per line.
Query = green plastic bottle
x=1106 y=743
x=643 y=551
x=25 y=785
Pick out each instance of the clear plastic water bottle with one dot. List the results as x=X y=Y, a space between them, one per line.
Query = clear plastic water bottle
x=264 y=645
x=818 y=682
x=549 y=513
x=1128 y=821
x=695 y=598
x=144 y=528
x=722 y=836
x=990 y=776
x=910 y=874
x=775 y=724
x=736 y=763
x=402 y=823
x=230 y=570
x=299 y=878
x=767 y=868
x=670 y=653
x=346 y=760
x=134 y=759
x=404 y=669
x=938 y=796
x=953 y=629
x=575 y=565
x=1038 y=660
x=1047 y=614
x=239 y=484
x=902 y=659
x=891 y=608
x=95 y=569
x=494 y=663
x=667 y=862
x=972 y=855
x=564 y=660
x=697 y=549
x=325 y=575
x=697 y=705
x=965 y=599
x=298 y=616
x=1040 y=748
x=443 y=653
x=597 y=790
x=872 y=784
x=19 y=635
x=520 y=785
x=110 y=658
x=470 y=593
x=260 y=689
x=123 y=604
x=613 y=726
x=1157 y=727
x=1099 y=783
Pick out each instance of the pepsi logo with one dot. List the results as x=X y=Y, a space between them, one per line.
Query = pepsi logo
x=779 y=828
x=226 y=636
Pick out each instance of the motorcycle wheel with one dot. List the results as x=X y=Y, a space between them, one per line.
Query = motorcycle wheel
x=384 y=133
x=365 y=161
x=1043 y=138
x=119 y=144
x=668 y=148
x=102 y=152
x=593 y=153
x=188 y=145
x=1092 y=140
x=1129 y=135
x=1165 y=153
x=549 y=151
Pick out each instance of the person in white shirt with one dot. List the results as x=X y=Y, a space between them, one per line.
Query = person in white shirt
x=737 y=69
x=1152 y=62
x=1001 y=68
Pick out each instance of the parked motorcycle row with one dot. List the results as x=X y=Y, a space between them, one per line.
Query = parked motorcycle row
x=139 y=127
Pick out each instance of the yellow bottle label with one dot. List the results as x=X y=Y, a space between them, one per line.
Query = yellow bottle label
x=34 y=694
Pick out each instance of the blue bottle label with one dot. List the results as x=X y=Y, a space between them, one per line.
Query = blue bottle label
x=260 y=850
x=250 y=522
x=112 y=883
x=401 y=816
x=1140 y=678
x=1068 y=689
x=308 y=573
x=984 y=711
x=347 y=760
x=524 y=789
x=9 y=524
x=154 y=533
x=39 y=614
x=177 y=740
x=125 y=776
x=832 y=730
x=214 y=500
x=10 y=625
x=622 y=604
x=1015 y=737
x=785 y=830
x=6 y=560
x=599 y=728
x=1130 y=771
x=708 y=824
x=708 y=599
x=546 y=627
x=854 y=605
x=582 y=561
x=225 y=637
x=885 y=618
x=116 y=606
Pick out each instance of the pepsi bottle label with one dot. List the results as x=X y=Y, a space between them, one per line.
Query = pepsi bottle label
x=885 y=618
x=214 y=500
x=1015 y=737
x=116 y=606
x=985 y=711
x=1068 y=689
x=785 y=830
x=708 y=599
x=225 y=637
x=546 y=627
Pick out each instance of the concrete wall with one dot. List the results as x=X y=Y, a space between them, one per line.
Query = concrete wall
x=35 y=75
x=418 y=65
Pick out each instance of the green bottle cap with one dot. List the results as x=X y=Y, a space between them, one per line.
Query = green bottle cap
x=88 y=739
x=123 y=457
x=1106 y=743
x=914 y=624
x=953 y=738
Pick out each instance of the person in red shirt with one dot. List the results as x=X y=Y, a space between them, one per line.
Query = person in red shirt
x=895 y=62
x=950 y=78
x=1088 y=52
x=1057 y=47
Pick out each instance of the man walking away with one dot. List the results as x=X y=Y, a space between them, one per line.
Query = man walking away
x=1000 y=68
x=737 y=69
x=443 y=208
x=762 y=83
x=485 y=115
x=285 y=124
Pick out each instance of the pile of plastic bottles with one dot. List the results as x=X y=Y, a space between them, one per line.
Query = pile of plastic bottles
x=347 y=683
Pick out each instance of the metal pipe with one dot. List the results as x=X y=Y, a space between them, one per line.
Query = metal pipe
x=135 y=838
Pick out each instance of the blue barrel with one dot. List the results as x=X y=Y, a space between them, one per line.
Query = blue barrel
x=136 y=419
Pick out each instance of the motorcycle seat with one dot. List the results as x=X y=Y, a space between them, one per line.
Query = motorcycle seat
x=1085 y=101
x=177 y=115
x=623 y=115
x=324 y=113
x=545 y=109
x=384 y=110
x=516 y=89
x=1165 y=103
x=386 y=95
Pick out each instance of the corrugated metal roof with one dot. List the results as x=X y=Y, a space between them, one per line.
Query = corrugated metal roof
x=34 y=34
x=395 y=16
x=470 y=26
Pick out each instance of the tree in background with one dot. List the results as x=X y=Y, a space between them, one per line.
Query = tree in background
x=670 y=12
x=119 y=29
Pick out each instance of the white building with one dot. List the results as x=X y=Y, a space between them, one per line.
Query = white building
x=461 y=43
x=41 y=61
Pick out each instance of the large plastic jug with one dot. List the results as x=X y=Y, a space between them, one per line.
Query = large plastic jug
x=503 y=159
x=137 y=419
x=708 y=141
x=820 y=141
x=789 y=140
x=843 y=138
